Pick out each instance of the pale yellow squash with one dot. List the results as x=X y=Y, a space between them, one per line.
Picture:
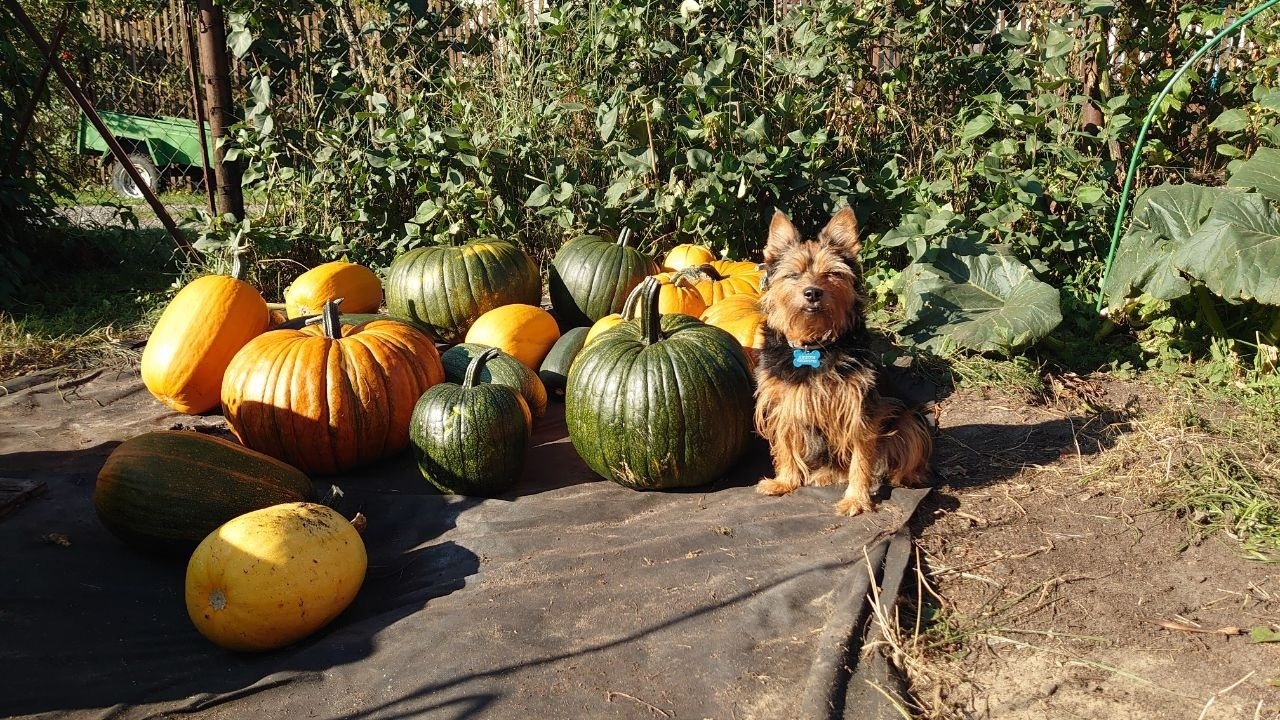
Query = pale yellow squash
x=271 y=577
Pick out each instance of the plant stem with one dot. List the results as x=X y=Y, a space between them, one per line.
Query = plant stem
x=1272 y=334
x=1205 y=300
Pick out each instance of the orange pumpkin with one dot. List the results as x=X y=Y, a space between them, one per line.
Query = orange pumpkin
x=740 y=315
x=199 y=332
x=359 y=288
x=720 y=279
x=677 y=294
x=329 y=397
x=687 y=255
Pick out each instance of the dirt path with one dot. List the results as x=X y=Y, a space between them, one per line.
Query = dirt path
x=1065 y=593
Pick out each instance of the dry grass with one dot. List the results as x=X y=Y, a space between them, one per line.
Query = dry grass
x=23 y=352
x=1210 y=455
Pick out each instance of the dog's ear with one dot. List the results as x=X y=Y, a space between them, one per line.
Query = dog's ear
x=842 y=234
x=782 y=237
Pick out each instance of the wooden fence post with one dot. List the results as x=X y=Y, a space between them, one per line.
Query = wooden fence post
x=216 y=70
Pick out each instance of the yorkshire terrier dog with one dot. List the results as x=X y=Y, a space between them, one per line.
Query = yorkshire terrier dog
x=817 y=400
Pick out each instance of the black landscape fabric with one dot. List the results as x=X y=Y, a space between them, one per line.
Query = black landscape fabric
x=571 y=597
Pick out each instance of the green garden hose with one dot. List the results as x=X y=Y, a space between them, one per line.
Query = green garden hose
x=1142 y=136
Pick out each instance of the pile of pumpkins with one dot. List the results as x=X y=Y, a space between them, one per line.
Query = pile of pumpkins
x=654 y=368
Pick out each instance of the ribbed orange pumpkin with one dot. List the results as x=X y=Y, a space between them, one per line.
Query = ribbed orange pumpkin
x=359 y=288
x=204 y=326
x=329 y=397
x=720 y=279
x=687 y=255
x=678 y=294
x=740 y=315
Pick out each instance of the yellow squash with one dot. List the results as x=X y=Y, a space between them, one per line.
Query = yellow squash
x=359 y=288
x=198 y=333
x=740 y=315
x=524 y=332
x=687 y=255
x=271 y=577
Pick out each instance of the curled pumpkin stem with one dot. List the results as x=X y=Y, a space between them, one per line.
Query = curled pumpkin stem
x=710 y=271
x=360 y=523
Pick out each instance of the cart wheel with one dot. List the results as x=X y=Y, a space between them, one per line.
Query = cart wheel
x=120 y=182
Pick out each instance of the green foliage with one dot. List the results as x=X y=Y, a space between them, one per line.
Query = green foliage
x=977 y=299
x=1204 y=259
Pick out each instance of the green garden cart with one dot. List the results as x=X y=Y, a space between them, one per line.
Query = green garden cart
x=155 y=145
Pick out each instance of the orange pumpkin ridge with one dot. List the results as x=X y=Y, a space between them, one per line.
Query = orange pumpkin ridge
x=328 y=400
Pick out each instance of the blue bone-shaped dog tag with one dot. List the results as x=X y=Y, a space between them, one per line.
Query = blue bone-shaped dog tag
x=800 y=358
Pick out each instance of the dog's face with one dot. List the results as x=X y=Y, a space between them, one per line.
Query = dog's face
x=814 y=286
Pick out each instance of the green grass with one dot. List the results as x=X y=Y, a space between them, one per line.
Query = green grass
x=98 y=290
x=1218 y=492
x=101 y=195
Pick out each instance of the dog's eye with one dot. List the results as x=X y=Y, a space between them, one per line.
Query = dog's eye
x=791 y=276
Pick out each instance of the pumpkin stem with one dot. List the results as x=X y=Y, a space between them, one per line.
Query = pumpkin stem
x=330 y=318
x=650 y=317
x=471 y=377
x=710 y=271
x=629 y=307
x=360 y=523
x=624 y=236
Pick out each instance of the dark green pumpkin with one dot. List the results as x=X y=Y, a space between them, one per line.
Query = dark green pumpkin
x=164 y=491
x=501 y=369
x=590 y=277
x=554 y=370
x=444 y=289
x=662 y=401
x=471 y=439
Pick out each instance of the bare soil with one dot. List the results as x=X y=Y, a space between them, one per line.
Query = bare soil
x=1059 y=586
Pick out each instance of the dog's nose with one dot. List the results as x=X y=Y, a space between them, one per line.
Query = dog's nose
x=813 y=294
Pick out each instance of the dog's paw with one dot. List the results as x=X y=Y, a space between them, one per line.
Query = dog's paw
x=852 y=506
x=824 y=476
x=772 y=487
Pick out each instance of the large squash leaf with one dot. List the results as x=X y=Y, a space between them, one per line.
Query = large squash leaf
x=1260 y=172
x=1236 y=253
x=984 y=302
x=1163 y=219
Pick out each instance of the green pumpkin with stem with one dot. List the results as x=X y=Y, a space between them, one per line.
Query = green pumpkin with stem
x=591 y=276
x=662 y=401
x=443 y=289
x=471 y=439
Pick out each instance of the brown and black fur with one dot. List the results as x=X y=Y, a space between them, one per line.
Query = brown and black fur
x=829 y=424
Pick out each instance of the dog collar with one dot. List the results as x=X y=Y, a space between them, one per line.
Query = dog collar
x=802 y=357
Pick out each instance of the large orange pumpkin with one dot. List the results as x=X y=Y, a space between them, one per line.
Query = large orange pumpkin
x=359 y=288
x=720 y=279
x=740 y=315
x=199 y=332
x=329 y=397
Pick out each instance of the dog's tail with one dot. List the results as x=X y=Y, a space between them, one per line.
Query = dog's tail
x=906 y=443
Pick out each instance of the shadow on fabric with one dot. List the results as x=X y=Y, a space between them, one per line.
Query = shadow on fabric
x=93 y=624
